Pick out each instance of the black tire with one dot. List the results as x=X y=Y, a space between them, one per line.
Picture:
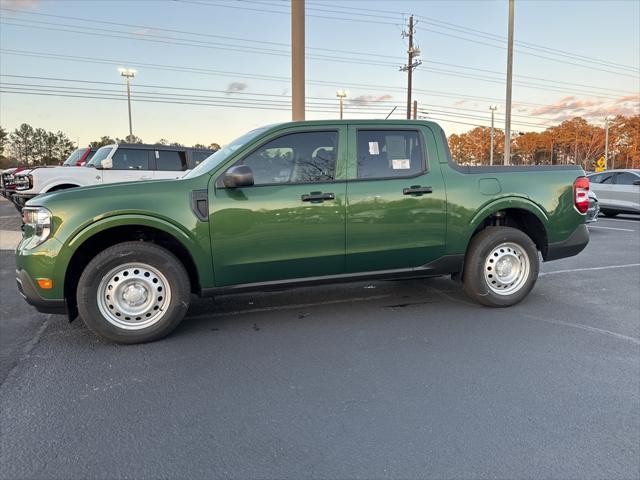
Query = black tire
x=477 y=267
x=608 y=213
x=166 y=311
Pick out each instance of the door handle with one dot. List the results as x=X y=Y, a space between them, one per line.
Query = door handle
x=318 y=197
x=416 y=189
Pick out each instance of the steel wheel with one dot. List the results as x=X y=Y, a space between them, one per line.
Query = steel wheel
x=506 y=268
x=133 y=296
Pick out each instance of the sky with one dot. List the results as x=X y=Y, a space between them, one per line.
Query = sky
x=210 y=70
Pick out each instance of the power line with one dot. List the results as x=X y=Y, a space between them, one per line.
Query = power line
x=241 y=93
x=356 y=19
x=149 y=29
x=232 y=74
x=273 y=78
x=228 y=47
x=443 y=24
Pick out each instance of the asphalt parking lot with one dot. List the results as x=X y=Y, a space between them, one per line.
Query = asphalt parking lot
x=403 y=379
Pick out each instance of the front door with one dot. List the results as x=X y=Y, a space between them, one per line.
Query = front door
x=291 y=222
x=396 y=210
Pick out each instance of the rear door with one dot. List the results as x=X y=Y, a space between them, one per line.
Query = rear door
x=396 y=208
x=291 y=223
x=602 y=184
x=625 y=193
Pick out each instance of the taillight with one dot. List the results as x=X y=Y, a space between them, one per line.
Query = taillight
x=581 y=194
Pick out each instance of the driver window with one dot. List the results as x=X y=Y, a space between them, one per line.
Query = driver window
x=308 y=157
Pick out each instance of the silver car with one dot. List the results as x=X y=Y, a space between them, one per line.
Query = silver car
x=618 y=191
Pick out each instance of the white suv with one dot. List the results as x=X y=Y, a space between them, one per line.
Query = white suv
x=110 y=164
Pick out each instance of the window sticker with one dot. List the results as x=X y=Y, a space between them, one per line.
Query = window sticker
x=373 y=148
x=401 y=164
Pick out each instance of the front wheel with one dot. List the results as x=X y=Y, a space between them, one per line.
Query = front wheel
x=133 y=292
x=501 y=267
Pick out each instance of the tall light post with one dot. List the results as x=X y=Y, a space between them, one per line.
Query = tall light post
x=507 y=113
x=341 y=94
x=128 y=74
x=297 y=60
x=493 y=109
x=606 y=141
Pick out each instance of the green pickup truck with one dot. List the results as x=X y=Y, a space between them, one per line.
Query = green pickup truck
x=297 y=204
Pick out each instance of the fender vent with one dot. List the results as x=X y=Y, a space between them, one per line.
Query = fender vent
x=200 y=204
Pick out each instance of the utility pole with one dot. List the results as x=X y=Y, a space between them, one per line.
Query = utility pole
x=128 y=74
x=493 y=109
x=411 y=63
x=341 y=94
x=507 y=117
x=297 y=59
x=415 y=109
x=606 y=142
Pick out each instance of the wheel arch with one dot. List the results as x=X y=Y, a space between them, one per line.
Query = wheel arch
x=103 y=234
x=516 y=212
x=60 y=186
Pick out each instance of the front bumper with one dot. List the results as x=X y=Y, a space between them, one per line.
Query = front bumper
x=21 y=198
x=593 y=212
x=27 y=289
x=573 y=245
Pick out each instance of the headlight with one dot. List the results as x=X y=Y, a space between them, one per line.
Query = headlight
x=23 y=182
x=37 y=225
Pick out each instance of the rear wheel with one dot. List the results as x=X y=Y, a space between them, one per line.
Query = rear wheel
x=133 y=292
x=608 y=213
x=501 y=266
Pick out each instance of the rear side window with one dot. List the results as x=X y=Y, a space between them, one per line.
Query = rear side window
x=389 y=153
x=130 y=159
x=626 y=178
x=170 y=160
x=199 y=156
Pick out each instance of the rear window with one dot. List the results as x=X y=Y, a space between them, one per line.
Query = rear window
x=170 y=160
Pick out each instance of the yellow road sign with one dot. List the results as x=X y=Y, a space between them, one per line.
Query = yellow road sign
x=601 y=162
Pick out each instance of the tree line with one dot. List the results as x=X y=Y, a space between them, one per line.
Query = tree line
x=574 y=142
x=31 y=146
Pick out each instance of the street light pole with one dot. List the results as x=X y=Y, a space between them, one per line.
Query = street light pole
x=128 y=74
x=341 y=94
x=507 y=119
x=493 y=108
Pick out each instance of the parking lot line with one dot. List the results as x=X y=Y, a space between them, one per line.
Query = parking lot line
x=605 y=267
x=612 y=228
x=588 y=328
x=619 y=220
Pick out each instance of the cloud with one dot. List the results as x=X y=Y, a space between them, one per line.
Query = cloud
x=369 y=99
x=589 y=108
x=20 y=4
x=235 y=87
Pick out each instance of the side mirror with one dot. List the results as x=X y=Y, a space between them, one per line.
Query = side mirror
x=238 y=176
x=636 y=182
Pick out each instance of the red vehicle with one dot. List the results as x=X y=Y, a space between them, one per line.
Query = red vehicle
x=79 y=157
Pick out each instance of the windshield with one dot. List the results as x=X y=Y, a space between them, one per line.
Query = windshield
x=100 y=155
x=74 y=157
x=211 y=162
